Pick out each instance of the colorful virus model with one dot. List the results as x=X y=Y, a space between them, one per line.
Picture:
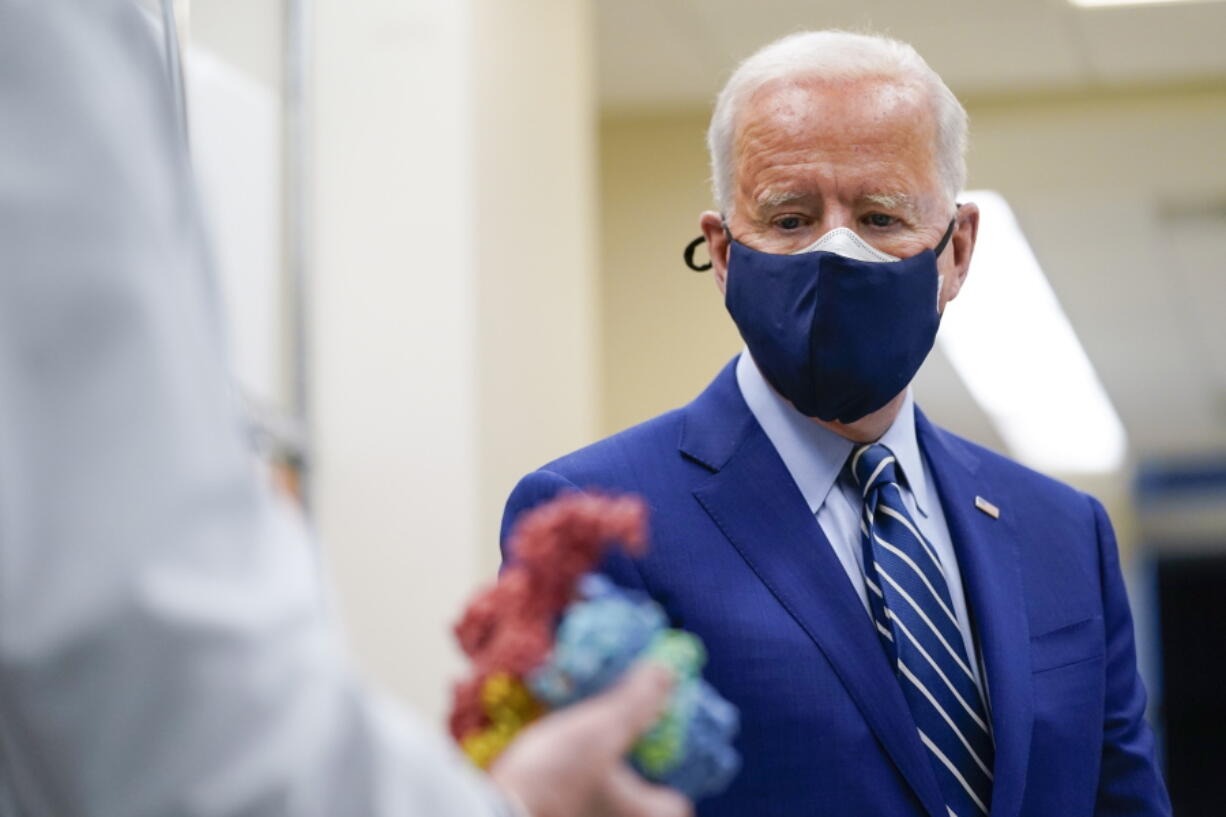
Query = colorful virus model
x=551 y=632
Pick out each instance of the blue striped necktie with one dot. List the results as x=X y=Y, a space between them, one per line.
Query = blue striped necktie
x=911 y=607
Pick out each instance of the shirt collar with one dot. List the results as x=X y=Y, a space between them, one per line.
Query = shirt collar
x=900 y=438
x=814 y=455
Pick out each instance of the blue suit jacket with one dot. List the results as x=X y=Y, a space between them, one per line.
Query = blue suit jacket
x=738 y=558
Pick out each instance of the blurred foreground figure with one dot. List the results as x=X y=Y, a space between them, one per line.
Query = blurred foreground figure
x=164 y=648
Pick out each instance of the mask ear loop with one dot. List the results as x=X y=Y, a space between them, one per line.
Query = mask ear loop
x=949 y=233
x=688 y=255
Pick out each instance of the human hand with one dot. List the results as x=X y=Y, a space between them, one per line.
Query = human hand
x=571 y=762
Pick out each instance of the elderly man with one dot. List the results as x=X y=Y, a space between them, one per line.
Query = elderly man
x=911 y=625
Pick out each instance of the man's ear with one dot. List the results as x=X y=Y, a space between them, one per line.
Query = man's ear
x=712 y=225
x=962 y=247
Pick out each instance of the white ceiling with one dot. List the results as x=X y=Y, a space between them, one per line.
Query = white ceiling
x=660 y=54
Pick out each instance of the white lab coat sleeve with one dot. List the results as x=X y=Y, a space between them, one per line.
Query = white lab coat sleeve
x=163 y=646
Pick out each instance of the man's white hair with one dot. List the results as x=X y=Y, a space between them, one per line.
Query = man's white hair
x=836 y=55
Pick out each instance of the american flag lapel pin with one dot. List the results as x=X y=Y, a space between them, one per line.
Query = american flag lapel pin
x=987 y=507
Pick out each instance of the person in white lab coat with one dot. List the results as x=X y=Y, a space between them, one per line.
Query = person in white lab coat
x=164 y=645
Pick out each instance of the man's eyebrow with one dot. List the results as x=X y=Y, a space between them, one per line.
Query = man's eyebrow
x=892 y=201
x=774 y=198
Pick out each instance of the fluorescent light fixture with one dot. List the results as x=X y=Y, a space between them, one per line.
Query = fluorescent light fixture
x=1012 y=345
x=1097 y=4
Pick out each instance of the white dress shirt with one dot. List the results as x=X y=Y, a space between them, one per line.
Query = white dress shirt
x=815 y=456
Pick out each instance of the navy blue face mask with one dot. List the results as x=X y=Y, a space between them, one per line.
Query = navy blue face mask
x=837 y=336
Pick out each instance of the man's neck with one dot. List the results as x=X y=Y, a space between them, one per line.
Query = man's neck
x=870 y=427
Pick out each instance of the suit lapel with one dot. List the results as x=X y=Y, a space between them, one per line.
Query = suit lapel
x=752 y=499
x=988 y=558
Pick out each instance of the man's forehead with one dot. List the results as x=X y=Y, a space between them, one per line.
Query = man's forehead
x=790 y=102
x=873 y=139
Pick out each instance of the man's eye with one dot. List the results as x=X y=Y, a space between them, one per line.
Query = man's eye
x=789 y=223
x=880 y=220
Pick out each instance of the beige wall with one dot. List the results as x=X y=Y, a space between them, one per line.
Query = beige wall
x=664 y=331
x=535 y=243
x=454 y=340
